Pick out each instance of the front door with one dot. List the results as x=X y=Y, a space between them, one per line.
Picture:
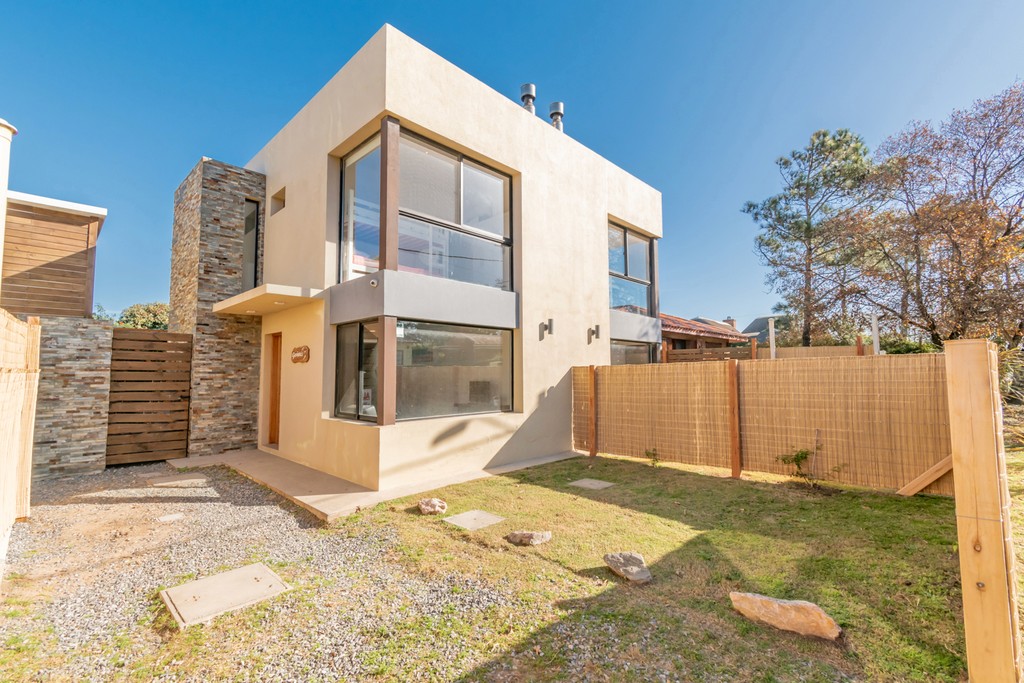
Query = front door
x=274 y=390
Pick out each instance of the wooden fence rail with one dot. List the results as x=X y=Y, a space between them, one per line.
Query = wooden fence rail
x=149 y=396
x=762 y=352
x=19 y=381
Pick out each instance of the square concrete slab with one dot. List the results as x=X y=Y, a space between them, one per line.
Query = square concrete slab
x=187 y=480
x=592 y=484
x=474 y=519
x=199 y=601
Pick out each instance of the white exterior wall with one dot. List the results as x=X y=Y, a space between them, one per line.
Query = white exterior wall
x=563 y=198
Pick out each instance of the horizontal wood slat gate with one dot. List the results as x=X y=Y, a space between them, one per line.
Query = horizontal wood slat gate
x=150 y=373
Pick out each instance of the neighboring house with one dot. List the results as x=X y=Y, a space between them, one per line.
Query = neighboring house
x=394 y=289
x=699 y=333
x=48 y=269
x=758 y=328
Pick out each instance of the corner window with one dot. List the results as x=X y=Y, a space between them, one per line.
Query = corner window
x=355 y=390
x=454 y=216
x=452 y=370
x=250 y=244
x=360 y=212
x=631 y=353
x=629 y=267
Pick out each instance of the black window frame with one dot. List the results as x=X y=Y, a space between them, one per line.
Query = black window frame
x=246 y=286
x=626 y=276
x=360 y=367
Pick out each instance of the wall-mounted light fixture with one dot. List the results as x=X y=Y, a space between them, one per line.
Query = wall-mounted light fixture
x=593 y=333
x=547 y=328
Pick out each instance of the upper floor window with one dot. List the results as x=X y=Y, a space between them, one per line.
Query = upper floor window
x=454 y=216
x=360 y=212
x=250 y=244
x=629 y=266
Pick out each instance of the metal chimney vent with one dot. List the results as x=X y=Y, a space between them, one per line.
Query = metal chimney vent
x=557 y=111
x=528 y=93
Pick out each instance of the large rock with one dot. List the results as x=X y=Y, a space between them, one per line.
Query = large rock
x=433 y=506
x=629 y=566
x=528 y=537
x=798 y=616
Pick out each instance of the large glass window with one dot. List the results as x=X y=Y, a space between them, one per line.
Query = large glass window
x=355 y=391
x=454 y=216
x=452 y=370
x=360 y=213
x=631 y=353
x=629 y=266
x=250 y=244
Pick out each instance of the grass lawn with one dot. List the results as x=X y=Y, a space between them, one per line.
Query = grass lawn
x=884 y=567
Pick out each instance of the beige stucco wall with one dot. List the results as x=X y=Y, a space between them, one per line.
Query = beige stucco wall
x=563 y=197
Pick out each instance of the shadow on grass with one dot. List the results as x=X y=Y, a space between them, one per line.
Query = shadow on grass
x=884 y=567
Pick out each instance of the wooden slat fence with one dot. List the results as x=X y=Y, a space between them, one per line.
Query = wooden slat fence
x=762 y=352
x=699 y=355
x=150 y=372
x=877 y=421
x=19 y=382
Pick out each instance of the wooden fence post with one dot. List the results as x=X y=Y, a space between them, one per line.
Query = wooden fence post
x=753 y=349
x=987 y=571
x=30 y=386
x=860 y=345
x=732 y=379
x=592 y=435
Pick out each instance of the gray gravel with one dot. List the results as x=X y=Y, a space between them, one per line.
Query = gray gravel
x=95 y=549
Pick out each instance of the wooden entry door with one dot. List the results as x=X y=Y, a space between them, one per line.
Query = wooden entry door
x=274 y=389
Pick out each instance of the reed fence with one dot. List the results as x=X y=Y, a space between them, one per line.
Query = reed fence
x=762 y=352
x=875 y=421
x=19 y=380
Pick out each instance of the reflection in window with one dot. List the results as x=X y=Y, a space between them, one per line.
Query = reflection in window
x=361 y=210
x=355 y=389
x=452 y=370
x=629 y=265
x=631 y=353
x=454 y=216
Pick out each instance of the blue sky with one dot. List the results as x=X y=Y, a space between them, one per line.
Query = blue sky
x=116 y=101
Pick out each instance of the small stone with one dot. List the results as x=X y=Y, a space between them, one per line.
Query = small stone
x=170 y=518
x=528 y=537
x=629 y=566
x=433 y=506
x=798 y=616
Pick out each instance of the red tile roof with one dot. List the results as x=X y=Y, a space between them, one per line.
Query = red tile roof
x=671 y=323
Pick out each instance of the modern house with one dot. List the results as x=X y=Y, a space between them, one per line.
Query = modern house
x=699 y=333
x=394 y=289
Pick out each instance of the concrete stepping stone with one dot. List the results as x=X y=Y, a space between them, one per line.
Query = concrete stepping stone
x=591 y=484
x=174 y=517
x=199 y=601
x=474 y=520
x=187 y=480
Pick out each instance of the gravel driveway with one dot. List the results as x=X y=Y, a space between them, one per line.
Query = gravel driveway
x=82 y=577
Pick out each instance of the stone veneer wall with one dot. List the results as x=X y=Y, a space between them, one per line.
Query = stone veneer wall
x=206 y=267
x=74 y=397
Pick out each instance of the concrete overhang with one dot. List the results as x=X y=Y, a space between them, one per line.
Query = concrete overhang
x=266 y=299
x=634 y=327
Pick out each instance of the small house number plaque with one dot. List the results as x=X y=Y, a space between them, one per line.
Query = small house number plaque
x=300 y=354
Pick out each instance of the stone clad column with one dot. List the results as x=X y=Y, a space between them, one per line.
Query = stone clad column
x=206 y=267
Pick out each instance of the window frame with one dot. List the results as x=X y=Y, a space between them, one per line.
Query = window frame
x=510 y=370
x=246 y=286
x=360 y=367
x=348 y=271
x=649 y=282
x=651 y=349
x=462 y=159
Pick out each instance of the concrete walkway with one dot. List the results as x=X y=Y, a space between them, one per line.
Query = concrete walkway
x=329 y=497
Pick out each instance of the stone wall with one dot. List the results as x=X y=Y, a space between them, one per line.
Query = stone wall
x=74 y=396
x=206 y=267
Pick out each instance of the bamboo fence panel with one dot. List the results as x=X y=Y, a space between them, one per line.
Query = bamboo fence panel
x=679 y=409
x=149 y=396
x=874 y=421
x=19 y=381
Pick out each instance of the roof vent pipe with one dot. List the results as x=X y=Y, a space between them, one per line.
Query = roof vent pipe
x=557 y=112
x=528 y=93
